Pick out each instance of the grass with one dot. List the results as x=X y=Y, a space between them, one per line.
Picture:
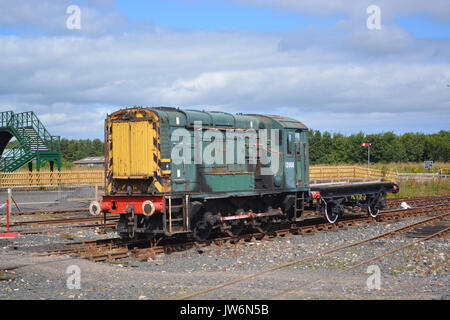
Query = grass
x=402 y=167
x=416 y=188
x=412 y=167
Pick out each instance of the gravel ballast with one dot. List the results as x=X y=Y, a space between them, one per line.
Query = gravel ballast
x=419 y=272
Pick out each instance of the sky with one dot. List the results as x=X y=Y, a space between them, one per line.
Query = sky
x=318 y=61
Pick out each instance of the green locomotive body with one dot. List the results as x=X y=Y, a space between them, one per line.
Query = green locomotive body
x=171 y=172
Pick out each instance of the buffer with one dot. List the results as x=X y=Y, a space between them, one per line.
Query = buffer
x=34 y=142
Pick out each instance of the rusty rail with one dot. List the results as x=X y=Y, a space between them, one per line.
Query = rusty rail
x=312 y=257
x=441 y=232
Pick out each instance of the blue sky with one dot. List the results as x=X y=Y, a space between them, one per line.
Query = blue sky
x=422 y=26
x=314 y=60
x=217 y=15
x=213 y=15
x=221 y=15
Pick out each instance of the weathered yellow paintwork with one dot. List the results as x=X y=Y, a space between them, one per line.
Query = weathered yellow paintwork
x=132 y=139
x=133 y=150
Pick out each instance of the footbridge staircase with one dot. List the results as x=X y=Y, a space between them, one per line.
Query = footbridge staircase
x=32 y=142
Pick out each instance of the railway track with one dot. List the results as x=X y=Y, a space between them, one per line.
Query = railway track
x=70 y=222
x=367 y=261
x=306 y=227
x=60 y=221
x=116 y=248
x=445 y=231
x=418 y=201
x=92 y=222
x=112 y=249
x=36 y=212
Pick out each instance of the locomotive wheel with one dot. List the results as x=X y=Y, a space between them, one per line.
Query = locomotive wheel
x=264 y=226
x=202 y=231
x=330 y=215
x=235 y=229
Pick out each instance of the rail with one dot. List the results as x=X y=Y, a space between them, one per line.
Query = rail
x=444 y=211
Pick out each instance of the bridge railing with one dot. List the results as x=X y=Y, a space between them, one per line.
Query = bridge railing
x=11 y=154
x=14 y=123
x=29 y=119
x=32 y=137
x=5 y=118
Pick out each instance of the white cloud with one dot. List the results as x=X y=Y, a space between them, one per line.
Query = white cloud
x=249 y=73
x=344 y=78
x=49 y=16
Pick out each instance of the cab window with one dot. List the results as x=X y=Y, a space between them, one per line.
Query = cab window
x=290 y=144
x=298 y=142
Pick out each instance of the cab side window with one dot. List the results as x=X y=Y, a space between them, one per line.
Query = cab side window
x=290 y=143
x=298 y=142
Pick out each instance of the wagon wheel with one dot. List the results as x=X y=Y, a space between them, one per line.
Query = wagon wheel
x=373 y=207
x=373 y=210
x=330 y=214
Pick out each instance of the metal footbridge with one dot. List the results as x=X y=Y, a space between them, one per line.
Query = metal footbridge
x=32 y=142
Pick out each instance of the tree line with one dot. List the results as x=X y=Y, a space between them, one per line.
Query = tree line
x=72 y=150
x=327 y=148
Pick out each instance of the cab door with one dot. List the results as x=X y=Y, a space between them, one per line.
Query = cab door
x=301 y=158
x=134 y=152
x=290 y=160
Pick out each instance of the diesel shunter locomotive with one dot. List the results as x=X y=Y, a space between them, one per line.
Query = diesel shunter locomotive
x=173 y=172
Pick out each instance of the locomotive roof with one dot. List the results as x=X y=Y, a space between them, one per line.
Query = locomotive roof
x=225 y=119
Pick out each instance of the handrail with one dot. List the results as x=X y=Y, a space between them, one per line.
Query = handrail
x=5 y=117
x=19 y=121
x=11 y=157
x=21 y=134
x=31 y=135
x=29 y=119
